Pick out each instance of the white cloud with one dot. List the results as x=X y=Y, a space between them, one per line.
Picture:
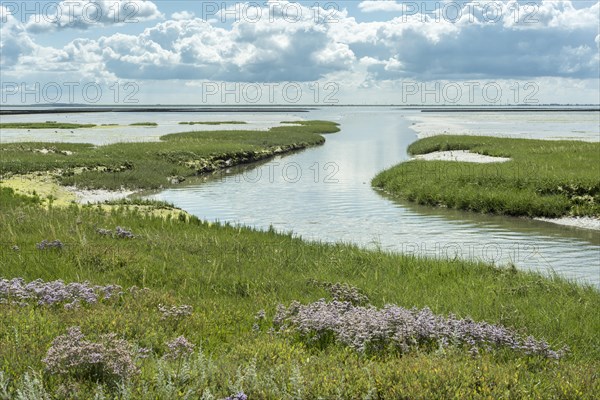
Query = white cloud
x=563 y=43
x=380 y=5
x=182 y=15
x=553 y=39
x=14 y=41
x=267 y=50
x=84 y=14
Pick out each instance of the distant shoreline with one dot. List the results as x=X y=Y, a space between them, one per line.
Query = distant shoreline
x=516 y=109
x=67 y=110
x=282 y=109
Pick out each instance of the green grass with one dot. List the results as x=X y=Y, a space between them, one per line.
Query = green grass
x=543 y=179
x=214 y=123
x=228 y=274
x=149 y=165
x=43 y=125
x=144 y=124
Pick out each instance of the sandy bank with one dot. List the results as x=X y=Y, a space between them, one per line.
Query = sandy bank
x=592 y=223
x=459 y=155
x=85 y=196
x=44 y=186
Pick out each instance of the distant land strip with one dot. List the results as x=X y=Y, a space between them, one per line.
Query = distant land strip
x=516 y=109
x=155 y=109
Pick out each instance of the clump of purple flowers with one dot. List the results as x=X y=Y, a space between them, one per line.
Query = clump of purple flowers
x=179 y=348
x=119 y=233
x=237 y=396
x=259 y=317
x=108 y=360
x=175 y=312
x=343 y=292
x=54 y=292
x=123 y=233
x=369 y=329
x=47 y=245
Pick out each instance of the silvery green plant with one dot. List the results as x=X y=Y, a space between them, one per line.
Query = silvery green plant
x=368 y=329
x=175 y=312
x=119 y=233
x=343 y=292
x=4 y=382
x=31 y=388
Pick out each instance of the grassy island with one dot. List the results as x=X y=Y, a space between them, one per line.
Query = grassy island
x=149 y=165
x=144 y=124
x=214 y=123
x=543 y=178
x=43 y=125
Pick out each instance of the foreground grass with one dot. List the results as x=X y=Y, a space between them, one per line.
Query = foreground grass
x=152 y=165
x=227 y=274
x=43 y=125
x=543 y=179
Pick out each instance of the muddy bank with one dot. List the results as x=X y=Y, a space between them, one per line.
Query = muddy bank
x=226 y=160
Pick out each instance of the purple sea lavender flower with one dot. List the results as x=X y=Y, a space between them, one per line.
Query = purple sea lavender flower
x=108 y=359
x=123 y=233
x=54 y=292
x=368 y=329
x=179 y=348
x=45 y=245
x=237 y=396
x=104 y=232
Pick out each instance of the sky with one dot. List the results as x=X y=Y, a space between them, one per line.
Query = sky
x=277 y=52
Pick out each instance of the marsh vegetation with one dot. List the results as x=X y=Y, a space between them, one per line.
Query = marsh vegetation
x=150 y=165
x=195 y=302
x=543 y=179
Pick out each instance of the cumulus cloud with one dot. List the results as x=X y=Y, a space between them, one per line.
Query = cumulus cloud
x=182 y=15
x=380 y=5
x=551 y=39
x=268 y=50
x=14 y=40
x=84 y=14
